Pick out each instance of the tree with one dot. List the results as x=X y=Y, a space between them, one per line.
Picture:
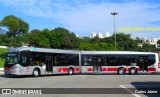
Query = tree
x=138 y=40
x=125 y=42
x=64 y=39
x=148 y=48
x=16 y=26
x=158 y=42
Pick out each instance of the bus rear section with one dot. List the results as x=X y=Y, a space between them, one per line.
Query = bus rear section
x=120 y=63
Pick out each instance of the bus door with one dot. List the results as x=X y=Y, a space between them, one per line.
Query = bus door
x=49 y=67
x=97 y=63
x=143 y=63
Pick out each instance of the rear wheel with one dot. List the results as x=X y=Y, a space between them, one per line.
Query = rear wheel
x=70 y=71
x=121 y=71
x=36 y=73
x=132 y=71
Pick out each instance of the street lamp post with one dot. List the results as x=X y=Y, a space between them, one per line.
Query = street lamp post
x=114 y=13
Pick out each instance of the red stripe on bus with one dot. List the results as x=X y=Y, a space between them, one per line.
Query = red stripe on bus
x=104 y=69
x=63 y=70
x=76 y=69
x=112 y=69
x=149 y=69
x=109 y=69
x=138 y=69
x=90 y=69
x=158 y=65
x=152 y=69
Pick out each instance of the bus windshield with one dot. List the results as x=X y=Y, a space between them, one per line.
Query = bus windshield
x=11 y=59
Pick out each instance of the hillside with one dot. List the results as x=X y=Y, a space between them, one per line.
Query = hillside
x=2 y=56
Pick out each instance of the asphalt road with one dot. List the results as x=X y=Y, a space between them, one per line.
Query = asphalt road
x=124 y=82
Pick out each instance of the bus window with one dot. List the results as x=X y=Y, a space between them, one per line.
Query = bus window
x=66 y=59
x=104 y=60
x=24 y=58
x=12 y=59
x=151 y=60
x=87 y=60
x=111 y=60
x=132 y=60
x=36 y=59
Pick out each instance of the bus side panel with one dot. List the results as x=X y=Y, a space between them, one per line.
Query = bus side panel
x=87 y=69
x=29 y=70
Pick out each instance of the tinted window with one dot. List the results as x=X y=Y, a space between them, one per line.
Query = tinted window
x=151 y=60
x=11 y=59
x=66 y=59
x=87 y=60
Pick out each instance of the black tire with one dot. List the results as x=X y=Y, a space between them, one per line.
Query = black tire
x=121 y=71
x=70 y=71
x=36 y=73
x=132 y=71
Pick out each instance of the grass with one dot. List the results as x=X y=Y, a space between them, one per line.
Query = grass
x=3 y=52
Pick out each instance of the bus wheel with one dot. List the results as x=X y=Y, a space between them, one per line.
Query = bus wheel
x=36 y=73
x=121 y=71
x=70 y=71
x=132 y=71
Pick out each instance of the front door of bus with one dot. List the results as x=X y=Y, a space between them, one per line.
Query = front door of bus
x=49 y=67
x=143 y=63
x=97 y=64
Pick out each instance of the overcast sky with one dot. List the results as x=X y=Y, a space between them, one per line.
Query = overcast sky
x=86 y=16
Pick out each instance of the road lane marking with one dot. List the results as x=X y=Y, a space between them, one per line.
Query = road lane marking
x=122 y=86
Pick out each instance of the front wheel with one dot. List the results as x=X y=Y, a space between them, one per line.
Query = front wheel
x=36 y=73
x=70 y=71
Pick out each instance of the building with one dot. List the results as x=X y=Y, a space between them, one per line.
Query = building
x=93 y=35
x=152 y=41
x=100 y=35
x=107 y=34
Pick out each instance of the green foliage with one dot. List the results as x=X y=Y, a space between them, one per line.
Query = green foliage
x=148 y=48
x=3 y=52
x=97 y=46
x=125 y=42
x=59 y=38
x=16 y=26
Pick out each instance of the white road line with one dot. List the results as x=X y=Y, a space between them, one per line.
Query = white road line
x=136 y=95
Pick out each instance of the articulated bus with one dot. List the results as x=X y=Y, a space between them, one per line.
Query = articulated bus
x=42 y=61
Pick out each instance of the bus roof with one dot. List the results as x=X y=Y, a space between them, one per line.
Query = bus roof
x=47 y=50
x=115 y=52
